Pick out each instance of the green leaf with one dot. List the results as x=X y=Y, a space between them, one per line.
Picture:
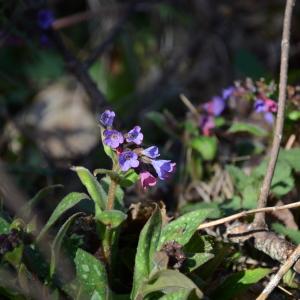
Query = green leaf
x=14 y=257
x=4 y=226
x=282 y=188
x=169 y=281
x=91 y=274
x=57 y=242
x=206 y=146
x=241 y=180
x=66 y=203
x=112 y=218
x=238 y=282
x=282 y=172
x=183 y=228
x=293 y=234
x=93 y=187
x=215 y=211
x=249 y=197
x=144 y=259
x=291 y=157
x=248 y=128
x=294 y=115
x=26 y=210
x=129 y=178
x=182 y=294
x=196 y=260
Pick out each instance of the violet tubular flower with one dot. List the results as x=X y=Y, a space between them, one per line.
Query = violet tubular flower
x=151 y=152
x=45 y=18
x=163 y=168
x=127 y=160
x=107 y=118
x=113 y=138
x=135 y=135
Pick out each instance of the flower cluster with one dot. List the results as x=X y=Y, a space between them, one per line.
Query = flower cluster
x=212 y=109
x=131 y=155
x=259 y=92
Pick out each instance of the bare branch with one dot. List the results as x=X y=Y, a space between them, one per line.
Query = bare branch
x=111 y=36
x=259 y=219
x=247 y=213
x=276 y=278
x=80 y=71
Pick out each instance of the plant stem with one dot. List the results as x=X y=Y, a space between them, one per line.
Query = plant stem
x=111 y=194
x=259 y=219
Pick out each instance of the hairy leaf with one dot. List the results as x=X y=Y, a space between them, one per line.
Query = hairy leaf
x=147 y=245
x=183 y=228
x=92 y=275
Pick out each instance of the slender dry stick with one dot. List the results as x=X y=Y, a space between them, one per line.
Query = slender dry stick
x=259 y=219
x=247 y=213
x=277 y=277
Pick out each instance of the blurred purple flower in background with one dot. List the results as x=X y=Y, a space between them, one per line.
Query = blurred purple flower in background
x=127 y=160
x=228 y=92
x=163 y=168
x=107 y=118
x=206 y=123
x=113 y=138
x=45 y=18
x=216 y=106
x=135 y=135
x=151 y=152
x=267 y=107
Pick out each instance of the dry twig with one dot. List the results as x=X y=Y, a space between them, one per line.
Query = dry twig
x=247 y=213
x=259 y=219
x=276 y=278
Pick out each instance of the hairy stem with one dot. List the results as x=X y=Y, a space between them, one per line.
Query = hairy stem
x=259 y=219
x=111 y=194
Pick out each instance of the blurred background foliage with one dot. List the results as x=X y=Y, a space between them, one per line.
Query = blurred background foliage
x=161 y=49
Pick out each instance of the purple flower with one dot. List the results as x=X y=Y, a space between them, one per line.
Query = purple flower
x=269 y=117
x=135 y=135
x=147 y=179
x=228 y=92
x=45 y=18
x=107 y=118
x=151 y=152
x=215 y=107
x=259 y=106
x=207 y=123
x=113 y=138
x=163 y=168
x=267 y=107
x=127 y=160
